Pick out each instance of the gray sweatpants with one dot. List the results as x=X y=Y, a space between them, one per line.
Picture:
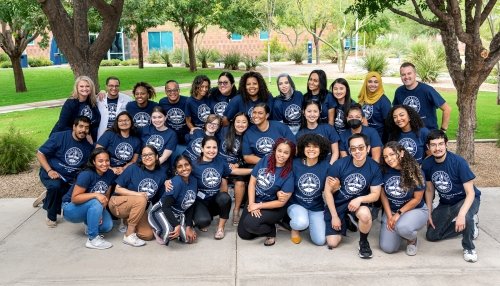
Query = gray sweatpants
x=160 y=224
x=407 y=227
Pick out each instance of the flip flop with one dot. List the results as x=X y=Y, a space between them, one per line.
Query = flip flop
x=270 y=241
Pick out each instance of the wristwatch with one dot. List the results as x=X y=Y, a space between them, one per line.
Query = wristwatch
x=399 y=212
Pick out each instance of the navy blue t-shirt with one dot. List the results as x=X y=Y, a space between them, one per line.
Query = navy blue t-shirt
x=92 y=183
x=323 y=129
x=184 y=194
x=198 y=110
x=209 y=176
x=66 y=155
x=137 y=179
x=112 y=106
x=176 y=117
x=309 y=184
x=219 y=102
x=289 y=111
x=141 y=116
x=233 y=156
x=121 y=149
x=396 y=196
x=424 y=99
x=339 y=119
x=161 y=140
x=193 y=148
x=326 y=105
x=269 y=184
x=238 y=105
x=354 y=181
x=71 y=109
x=415 y=145
x=377 y=113
x=449 y=177
x=261 y=143
x=368 y=131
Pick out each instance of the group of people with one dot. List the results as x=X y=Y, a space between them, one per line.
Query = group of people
x=317 y=160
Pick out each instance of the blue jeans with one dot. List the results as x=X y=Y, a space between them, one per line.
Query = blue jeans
x=443 y=218
x=91 y=213
x=302 y=218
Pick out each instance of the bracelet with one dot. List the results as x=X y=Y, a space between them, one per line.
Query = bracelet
x=49 y=171
x=443 y=129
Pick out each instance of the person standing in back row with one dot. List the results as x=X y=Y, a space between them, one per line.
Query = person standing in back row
x=421 y=97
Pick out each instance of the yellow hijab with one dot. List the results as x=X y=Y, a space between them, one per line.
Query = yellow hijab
x=367 y=97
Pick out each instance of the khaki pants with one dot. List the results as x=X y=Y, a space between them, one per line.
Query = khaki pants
x=133 y=209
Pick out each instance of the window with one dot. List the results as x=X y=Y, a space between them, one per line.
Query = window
x=160 y=41
x=264 y=35
x=236 y=37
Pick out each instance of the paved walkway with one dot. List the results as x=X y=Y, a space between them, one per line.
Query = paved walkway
x=276 y=68
x=32 y=254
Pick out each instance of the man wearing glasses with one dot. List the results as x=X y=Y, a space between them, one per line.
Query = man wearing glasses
x=450 y=175
x=353 y=183
x=174 y=105
x=111 y=104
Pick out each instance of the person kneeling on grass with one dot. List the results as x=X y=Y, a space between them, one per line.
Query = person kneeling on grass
x=172 y=216
x=87 y=199
x=356 y=182
x=456 y=214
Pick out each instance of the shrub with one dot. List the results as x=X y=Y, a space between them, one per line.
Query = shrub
x=176 y=56
x=250 y=62
x=297 y=54
x=165 y=57
x=205 y=56
x=130 y=62
x=278 y=50
x=6 y=65
x=110 y=63
x=154 y=57
x=39 y=62
x=375 y=61
x=4 y=57
x=429 y=59
x=16 y=152
x=231 y=60
x=331 y=55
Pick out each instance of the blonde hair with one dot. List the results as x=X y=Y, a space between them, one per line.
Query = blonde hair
x=92 y=97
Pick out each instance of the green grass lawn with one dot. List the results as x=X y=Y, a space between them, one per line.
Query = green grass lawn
x=57 y=82
x=39 y=123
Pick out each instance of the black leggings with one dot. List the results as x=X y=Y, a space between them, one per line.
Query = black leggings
x=204 y=210
x=251 y=227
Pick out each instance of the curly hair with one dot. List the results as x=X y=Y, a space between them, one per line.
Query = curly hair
x=149 y=89
x=315 y=140
x=416 y=122
x=197 y=82
x=411 y=173
x=263 y=93
x=271 y=164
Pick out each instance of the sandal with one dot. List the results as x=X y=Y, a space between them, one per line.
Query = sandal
x=270 y=241
x=219 y=234
x=236 y=219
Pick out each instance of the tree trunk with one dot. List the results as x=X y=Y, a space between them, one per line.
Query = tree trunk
x=140 y=50
x=316 y=46
x=466 y=101
x=82 y=67
x=191 y=52
x=18 y=74
x=341 y=60
x=498 y=83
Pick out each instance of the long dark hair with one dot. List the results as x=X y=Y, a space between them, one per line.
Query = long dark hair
x=204 y=141
x=90 y=163
x=323 y=91
x=157 y=161
x=230 y=136
x=347 y=98
x=290 y=81
x=411 y=173
x=305 y=104
x=177 y=159
x=229 y=76
x=416 y=122
x=197 y=82
x=115 y=129
x=271 y=164
x=316 y=140
x=263 y=94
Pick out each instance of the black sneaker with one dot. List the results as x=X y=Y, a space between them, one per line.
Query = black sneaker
x=351 y=223
x=365 y=251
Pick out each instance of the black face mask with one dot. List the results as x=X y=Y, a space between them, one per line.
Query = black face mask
x=354 y=123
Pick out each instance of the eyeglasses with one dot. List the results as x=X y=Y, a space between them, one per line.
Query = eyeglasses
x=223 y=82
x=435 y=145
x=360 y=148
x=213 y=124
x=148 y=155
x=124 y=121
x=172 y=90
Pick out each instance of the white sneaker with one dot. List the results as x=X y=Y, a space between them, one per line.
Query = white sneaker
x=133 y=240
x=476 y=228
x=40 y=199
x=411 y=249
x=98 y=243
x=122 y=228
x=470 y=255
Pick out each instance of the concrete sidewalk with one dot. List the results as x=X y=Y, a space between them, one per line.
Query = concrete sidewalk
x=33 y=254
